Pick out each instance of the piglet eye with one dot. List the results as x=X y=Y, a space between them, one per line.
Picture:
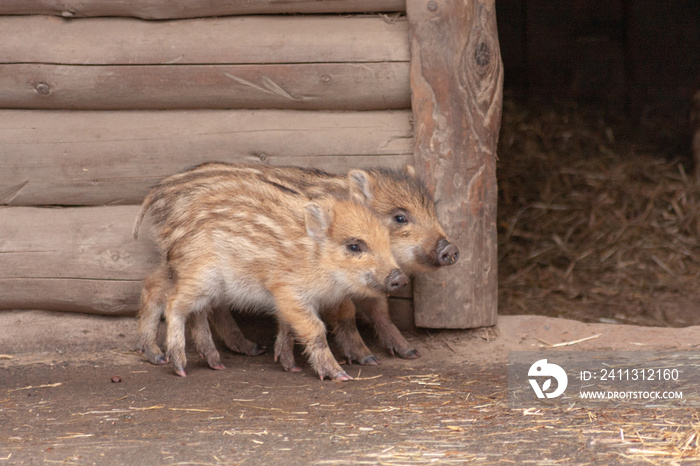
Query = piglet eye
x=356 y=246
x=400 y=218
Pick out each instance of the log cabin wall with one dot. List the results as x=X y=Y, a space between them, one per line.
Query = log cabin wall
x=98 y=104
x=99 y=100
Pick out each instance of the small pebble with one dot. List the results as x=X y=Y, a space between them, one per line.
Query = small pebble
x=116 y=379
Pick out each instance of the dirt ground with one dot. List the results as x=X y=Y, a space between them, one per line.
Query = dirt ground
x=72 y=391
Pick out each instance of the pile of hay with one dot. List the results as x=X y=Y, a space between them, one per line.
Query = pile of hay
x=594 y=225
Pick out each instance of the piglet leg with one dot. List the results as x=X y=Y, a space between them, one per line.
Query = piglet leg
x=228 y=330
x=344 y=327
x=203 y=341
x=377 y=311
x=311 y=333
x=153 y=301
x=284 y=348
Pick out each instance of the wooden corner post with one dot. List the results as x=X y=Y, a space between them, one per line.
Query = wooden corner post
x=457 y=94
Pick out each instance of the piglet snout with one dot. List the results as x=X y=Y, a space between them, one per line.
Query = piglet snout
x=396 y=280
x=447 y=253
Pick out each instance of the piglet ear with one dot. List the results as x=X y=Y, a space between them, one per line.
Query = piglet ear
x=410 y=170
x=360 y=186
x=318 y=220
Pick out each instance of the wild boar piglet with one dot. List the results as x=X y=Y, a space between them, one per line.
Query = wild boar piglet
x=419 y=243
x=232 y=239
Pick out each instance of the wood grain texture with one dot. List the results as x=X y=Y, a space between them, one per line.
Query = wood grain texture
x=457 y=82
x=322 y=86
x=231 y=40
x=80 y=259
x=96 y=158
x=167 y=9
x=102 y=297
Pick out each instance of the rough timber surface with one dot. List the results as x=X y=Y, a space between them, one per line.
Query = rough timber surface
x=237 y=40
x=169 y=9
x=81 y=259
x=60 y=404
x=302 y=86
x=456 y=99
x=97 y=158
x=258 y=62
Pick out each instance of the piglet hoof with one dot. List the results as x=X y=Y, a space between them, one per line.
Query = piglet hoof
x=257 y=351
x=340 y=377
x=410 y=354
x=218 y=367
x=287 y=360
x=154 y=357
x=181 y=372
x=157 y=360
x=370 y=360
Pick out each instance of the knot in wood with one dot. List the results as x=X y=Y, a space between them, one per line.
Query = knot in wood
x=42 y=88
x=482 y=54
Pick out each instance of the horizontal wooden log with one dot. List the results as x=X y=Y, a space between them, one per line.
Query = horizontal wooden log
x=96 y=158
x=105 y=297
x=167 y=9
x=80 y=243
x=81 y=259
x=233 y=40
x=323 y=86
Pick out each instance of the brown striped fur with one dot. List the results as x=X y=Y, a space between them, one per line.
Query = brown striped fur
x=257 y=243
